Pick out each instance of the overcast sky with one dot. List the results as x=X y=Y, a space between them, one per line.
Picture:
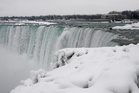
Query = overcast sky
x=64 y=7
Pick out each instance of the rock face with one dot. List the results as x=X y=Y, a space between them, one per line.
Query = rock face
x=88 y=70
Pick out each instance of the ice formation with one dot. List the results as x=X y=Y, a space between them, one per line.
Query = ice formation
x=134 y=26
x=19 y=23
x=88 y=70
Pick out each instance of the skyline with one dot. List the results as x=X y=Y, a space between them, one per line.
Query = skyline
x=64 y=7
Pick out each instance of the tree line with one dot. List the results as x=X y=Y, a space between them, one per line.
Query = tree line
x=113 y=14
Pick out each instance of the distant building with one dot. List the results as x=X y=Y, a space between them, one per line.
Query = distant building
x=115 y=16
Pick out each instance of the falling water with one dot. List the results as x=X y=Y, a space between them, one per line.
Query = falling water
x=40 y=42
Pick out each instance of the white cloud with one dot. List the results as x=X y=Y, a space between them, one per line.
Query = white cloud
x=45 y=7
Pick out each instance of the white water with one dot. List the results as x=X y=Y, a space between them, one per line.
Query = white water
x=40 y=42
x=73 y=38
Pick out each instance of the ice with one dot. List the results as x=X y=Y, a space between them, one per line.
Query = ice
x=88 y=70
x=37 y=75
x=30 y=22
x=38 y=22
x=63 y=56
x=128 y=26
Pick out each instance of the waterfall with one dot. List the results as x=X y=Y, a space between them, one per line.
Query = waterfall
x=40 y=42
x=84 y=37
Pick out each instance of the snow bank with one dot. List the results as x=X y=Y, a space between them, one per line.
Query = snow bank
x=88 y=70
x=128 y=26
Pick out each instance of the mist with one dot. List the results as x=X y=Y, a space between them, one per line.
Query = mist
x=13 y=69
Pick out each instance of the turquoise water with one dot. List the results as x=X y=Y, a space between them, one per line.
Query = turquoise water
x=40 y=42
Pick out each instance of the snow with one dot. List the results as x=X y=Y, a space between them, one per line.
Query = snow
x=29 y=22
x=38 y=22
x=128 y=26
x=88 y=70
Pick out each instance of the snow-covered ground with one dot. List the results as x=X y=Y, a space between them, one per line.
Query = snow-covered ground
x=88 y=70
x=128 y=26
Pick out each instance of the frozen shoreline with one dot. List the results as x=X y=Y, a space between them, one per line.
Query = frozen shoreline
x=88 y=70
x=134 y=26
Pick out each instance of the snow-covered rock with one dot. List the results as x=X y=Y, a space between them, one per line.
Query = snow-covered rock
x=88 y=70
x=128 y=26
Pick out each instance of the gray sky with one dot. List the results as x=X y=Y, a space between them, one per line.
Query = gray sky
x=63 y=7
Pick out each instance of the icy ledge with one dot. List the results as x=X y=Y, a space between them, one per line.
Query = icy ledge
x=90 y=70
